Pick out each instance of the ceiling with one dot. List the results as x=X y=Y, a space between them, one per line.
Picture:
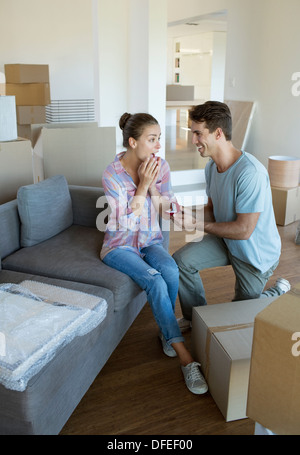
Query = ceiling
x=214 y=22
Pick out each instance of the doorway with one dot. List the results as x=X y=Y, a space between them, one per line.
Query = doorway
x=196 y=58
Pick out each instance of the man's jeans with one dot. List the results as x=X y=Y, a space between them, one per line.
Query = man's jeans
x=211 y=252
x=156 y=273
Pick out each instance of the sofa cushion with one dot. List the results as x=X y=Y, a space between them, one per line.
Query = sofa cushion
x=74 y=255
x=45 y=209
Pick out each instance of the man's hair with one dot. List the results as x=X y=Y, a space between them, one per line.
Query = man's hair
x=215 y=115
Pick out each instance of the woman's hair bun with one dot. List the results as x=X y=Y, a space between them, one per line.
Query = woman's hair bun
x=123 y=120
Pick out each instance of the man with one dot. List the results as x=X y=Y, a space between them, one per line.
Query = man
x=239 y=221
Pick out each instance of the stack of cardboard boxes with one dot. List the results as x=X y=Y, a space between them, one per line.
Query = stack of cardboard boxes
x=31 y=86
x=284 y=174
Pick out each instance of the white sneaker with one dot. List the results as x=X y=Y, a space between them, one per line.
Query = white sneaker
x=194 y=380
x=168 y=350
x=283 y=285
x=184 y=324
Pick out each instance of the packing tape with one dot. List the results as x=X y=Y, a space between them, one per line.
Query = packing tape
x=212 y=330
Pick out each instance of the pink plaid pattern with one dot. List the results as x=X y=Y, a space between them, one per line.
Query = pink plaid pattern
x=124 y=229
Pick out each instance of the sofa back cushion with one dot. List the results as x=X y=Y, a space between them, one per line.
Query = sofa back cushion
x=9 y=228
x=45 y=209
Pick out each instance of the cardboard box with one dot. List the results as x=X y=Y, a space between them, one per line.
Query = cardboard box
x=30 y=94
x=24 y=73
x=33 y=130
x=221 y=341
x=274 y=392
x=180 y=92
x=286 y=204
x=80 y=154
x=15 y=168
x=27 y=115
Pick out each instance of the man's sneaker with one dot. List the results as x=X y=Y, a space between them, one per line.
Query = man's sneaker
x=283 y=285
x=184 y=324
x=168 y=350
x=194 y=380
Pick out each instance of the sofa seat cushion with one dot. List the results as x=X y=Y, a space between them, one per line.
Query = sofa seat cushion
x=45 y=209
x=74 y=255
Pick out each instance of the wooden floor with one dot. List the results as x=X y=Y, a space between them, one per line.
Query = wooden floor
x=140 y=391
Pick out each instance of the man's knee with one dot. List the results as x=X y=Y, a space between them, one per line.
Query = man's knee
x=180 y=257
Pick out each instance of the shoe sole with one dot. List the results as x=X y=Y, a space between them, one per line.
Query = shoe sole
x=198 y=392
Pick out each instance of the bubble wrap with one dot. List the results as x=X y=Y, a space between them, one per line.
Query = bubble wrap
x=36 y=320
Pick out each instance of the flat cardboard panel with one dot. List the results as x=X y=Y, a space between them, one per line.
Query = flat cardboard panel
x=30 y=94
x=15 y=168
x=274 y=393
x=221 y=341
x=26 y=73
x=286 y=205
x=241 y=112
x=27 y=115
x=80 y=154
x=37 y=142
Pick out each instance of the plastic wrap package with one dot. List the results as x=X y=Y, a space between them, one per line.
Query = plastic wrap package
x=35 y=320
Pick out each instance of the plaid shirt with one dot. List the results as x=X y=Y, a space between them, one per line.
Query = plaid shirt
x=124 y=229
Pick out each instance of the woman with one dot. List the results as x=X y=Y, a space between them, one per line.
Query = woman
x=137 y=187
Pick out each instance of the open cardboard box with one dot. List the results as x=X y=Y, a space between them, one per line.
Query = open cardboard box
x=221 y=341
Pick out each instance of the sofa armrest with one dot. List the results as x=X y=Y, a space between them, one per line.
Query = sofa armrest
x=84 y=200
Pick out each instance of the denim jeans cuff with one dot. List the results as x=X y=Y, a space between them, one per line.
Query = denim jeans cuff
x=175 y=340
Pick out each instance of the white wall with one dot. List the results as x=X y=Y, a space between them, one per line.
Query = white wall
x=110 y=51
x=262 y=54
x=56 y=32
x=131 y=60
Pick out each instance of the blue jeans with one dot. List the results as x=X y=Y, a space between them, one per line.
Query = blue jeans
x=211 y=252
x=156 y=273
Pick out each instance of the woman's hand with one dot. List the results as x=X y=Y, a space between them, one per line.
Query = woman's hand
x=148 y=172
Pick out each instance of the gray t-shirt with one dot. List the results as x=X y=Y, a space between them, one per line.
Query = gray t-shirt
x=245 y=188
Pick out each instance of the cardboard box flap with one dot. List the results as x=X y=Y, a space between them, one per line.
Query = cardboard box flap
x=233 y=313
x=239 y=347
x=284 y=312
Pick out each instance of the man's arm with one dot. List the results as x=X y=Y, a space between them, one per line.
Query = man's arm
x=240 y=229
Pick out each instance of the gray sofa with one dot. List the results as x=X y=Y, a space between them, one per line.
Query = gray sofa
x=49 y=235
